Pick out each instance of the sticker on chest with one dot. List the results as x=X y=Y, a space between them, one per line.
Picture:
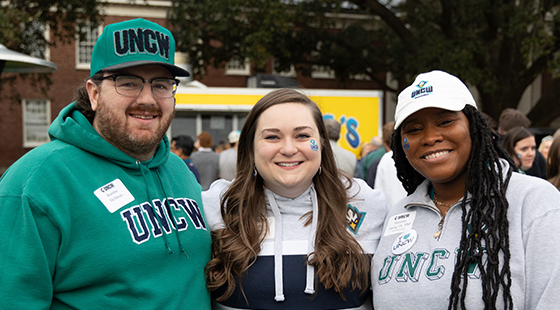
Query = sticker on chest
x=400 y=223
x=404 y=242
x=114 y=195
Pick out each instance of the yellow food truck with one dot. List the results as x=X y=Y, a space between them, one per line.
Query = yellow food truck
x=219 y=110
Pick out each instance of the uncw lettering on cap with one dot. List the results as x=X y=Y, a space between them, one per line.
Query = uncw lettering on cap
x=136 y=42
x=131 y=41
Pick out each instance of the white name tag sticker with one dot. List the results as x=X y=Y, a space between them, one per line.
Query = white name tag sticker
x=114 y=195
x=400 y=223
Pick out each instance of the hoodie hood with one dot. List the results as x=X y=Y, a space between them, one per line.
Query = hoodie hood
x=72 y=127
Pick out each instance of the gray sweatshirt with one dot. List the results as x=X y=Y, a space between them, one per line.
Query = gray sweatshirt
x=280 y=277
x=412 y=269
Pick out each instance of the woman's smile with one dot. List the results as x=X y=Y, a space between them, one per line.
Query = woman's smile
x=286 y=152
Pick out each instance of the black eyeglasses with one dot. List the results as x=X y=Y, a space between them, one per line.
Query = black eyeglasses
x=132 y=85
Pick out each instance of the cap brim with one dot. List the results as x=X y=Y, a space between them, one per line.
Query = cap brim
x=429 y=102
x=175 y=70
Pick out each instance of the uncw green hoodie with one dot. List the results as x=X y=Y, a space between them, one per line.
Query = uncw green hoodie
x=86 y=226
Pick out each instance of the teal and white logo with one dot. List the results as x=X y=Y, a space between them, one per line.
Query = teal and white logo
x=354 y=218
x=423 y=89
x=141 y=41
x=404 y=242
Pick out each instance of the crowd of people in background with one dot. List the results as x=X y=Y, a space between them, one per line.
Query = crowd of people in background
x=207 y=161
x=513 y=147
x=374 y=162
x=452 y=208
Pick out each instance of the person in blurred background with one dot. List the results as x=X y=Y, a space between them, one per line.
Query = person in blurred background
x=221 y=146
x=365 y=149
x=228 y=157
x=375 y=154
x=520 y=144
x=345 y=160
x=387 y=131
x=386 y=179
x=511 y=118
x=544 y=146
x=553 y=166
x=206 y=160
x=183 y=146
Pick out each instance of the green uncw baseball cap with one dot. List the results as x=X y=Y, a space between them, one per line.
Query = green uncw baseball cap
x=132 y=43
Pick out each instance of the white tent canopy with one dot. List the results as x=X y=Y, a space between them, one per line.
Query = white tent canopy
x=12 y=61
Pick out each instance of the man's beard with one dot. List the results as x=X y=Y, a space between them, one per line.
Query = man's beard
x=137 y=144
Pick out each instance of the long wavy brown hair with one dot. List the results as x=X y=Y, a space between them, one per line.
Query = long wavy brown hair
x=338 y=258
x=553 y=165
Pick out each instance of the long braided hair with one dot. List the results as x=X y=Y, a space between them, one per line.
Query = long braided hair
x=485 y=222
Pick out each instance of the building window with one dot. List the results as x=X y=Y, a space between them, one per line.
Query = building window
x=291 y=73
x=322 y=72
x=36 y=121
x=84 y=47
x=360 y=77
x=238 y=67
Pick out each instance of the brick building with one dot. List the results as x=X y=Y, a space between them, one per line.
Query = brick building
x=24 y=123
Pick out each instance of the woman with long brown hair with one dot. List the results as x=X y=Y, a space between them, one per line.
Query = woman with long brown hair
x=289 y=232
x=553 y=163
x=520 y=145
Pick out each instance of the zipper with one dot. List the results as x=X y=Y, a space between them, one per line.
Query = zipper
x=440 y=227
x=437 y=234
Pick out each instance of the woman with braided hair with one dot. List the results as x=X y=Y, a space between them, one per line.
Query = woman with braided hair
x=473 y=233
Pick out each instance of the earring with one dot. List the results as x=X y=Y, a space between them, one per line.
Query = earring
x=254 y=171
x=320 y=170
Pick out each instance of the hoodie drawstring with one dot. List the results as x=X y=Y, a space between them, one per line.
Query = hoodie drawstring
x=172 y=215
x=150 y=200
x=278 y=239
x=310 y=278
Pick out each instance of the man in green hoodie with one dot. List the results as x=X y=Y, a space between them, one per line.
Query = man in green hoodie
x=103 y=216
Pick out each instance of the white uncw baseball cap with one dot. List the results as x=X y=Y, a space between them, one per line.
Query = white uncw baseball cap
x=233 y=136
x=434 y=89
